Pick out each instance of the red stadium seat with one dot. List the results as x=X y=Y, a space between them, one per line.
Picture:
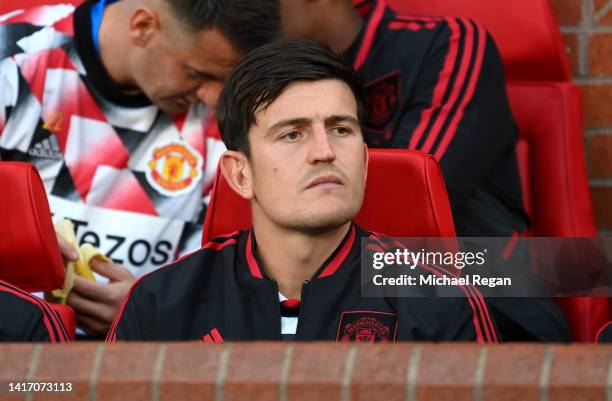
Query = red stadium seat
x=538 y=54
x=554 y=178
x=396 y=178
x=29 y=254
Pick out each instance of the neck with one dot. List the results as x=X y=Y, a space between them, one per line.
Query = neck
x=291 y=257
x=341 y=27
x=114 y=46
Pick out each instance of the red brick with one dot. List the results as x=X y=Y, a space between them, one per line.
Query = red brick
x=189 y=372
x=513 y=372
x=571 y=47
x=254 y=372
x=380 y=372
x=600 y=54
x=19 y=356
x=596 y=105
x=447 y=372
x=605 y=19
x=569 y=12
x=599 y=150
x=316 y=372
x=126 y=369
x=602 y=201
x=69 y=363
x=579 y=372
x=14 y=365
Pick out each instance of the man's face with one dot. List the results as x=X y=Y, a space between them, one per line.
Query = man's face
x=176 y=73
x=308 y=160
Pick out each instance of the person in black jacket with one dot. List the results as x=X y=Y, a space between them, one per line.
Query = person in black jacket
x=26 y=318
x=291 y=116
x=436 y=84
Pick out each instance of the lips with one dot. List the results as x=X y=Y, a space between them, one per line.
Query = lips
x=325 y=182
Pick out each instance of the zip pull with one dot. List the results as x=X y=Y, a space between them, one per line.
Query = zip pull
x=306 y=282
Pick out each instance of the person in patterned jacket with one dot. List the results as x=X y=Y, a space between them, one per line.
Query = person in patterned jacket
x=436 y=84
x=111 y=102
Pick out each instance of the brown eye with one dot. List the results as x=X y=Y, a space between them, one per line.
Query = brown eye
x=291 y=135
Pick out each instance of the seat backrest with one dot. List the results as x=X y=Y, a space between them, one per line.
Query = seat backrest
x=526 y=32
x=551 y=158
x=29 y=254
x=405 y=196
x=554 y=178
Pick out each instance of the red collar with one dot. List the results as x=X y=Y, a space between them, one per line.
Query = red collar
x=329 y=267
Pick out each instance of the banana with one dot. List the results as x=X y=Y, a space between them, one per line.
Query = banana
x=81 y=267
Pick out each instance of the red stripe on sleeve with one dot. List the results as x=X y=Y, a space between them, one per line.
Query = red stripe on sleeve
x=457 y=86
x=483 y=309
x=510 y=246
x=366 y=45
x=441 y=85
x=480 y=313
x=52 y=322
x=452 y=129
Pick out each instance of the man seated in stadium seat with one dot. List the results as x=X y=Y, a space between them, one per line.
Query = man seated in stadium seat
x=436 y=84
x=24 y=317
x=110 y=102
x=290 y=115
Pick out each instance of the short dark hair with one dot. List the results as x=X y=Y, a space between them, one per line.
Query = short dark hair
x=264 y=74
x=247 y=24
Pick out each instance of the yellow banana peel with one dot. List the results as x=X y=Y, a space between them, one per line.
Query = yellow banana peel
x=81 y=267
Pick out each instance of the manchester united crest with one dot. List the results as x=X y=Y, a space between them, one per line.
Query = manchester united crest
x=174 y=168
x=367 y=326
x=383 y=99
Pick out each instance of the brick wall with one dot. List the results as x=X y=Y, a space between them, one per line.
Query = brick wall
x=318 y=372
x=587 y=30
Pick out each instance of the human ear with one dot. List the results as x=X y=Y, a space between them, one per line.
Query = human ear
x=236 y=170
x=144 y=25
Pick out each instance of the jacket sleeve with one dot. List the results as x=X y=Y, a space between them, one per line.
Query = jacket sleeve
x=24 y=317
x=471 y=320
x=458 y=110
x=127 y=324
x=437 y=318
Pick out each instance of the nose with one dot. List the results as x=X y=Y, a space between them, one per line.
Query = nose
x=321 y=150
x=208 y=93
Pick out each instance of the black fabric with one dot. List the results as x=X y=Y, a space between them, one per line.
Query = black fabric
x=402 y=71
x=215 y=289
x=11 y=34
x=605 y=334
x=21 y=320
